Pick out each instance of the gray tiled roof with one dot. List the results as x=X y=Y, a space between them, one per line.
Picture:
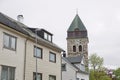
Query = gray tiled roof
x=65 y=59
x=73 y=60
x=76 y=59
x=12 y=23
x=22 y=28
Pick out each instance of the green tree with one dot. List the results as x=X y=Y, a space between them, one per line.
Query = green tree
x=97 y=69
x=117 y=74
x=92 y=75
x=105 y=77
x=96 y=62
x=98 y=75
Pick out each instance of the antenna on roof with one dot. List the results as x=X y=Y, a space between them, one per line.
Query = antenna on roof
x=20 y=18
x=77 y=11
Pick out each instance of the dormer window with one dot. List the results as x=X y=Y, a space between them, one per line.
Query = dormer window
x=43 y=34
x=47 y=36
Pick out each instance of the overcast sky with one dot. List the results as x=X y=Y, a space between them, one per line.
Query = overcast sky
x=101 y=18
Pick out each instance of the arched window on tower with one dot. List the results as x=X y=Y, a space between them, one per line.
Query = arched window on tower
x=80 y=48
x=74 y=48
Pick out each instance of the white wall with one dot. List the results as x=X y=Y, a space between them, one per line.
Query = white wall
x=80 y=66
x=44 y=66
x=83 y=76
x=70 y=73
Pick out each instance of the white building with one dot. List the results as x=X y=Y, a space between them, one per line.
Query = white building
x=69 y=71
x=73 y=68
x=21 y=49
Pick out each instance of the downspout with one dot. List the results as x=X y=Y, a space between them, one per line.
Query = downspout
x=61 y=67
x=25 y=51
x=76 y=75
x=77 y=71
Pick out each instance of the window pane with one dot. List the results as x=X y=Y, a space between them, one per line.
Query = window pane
x=45 y=35
x=37 y=52
x=52 y=57
x=39 y=76
x=8 y=73
x=34 y=74
x=63 y=67
x=49 y=37
x=13 y=42
x=11 y=73
x=6 y=41
x=52 y=77
x=9 y=42
x=4 y=74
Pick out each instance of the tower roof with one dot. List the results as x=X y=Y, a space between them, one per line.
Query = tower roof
x=77 y=24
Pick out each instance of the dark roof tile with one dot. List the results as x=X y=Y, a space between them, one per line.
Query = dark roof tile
x=76 y=59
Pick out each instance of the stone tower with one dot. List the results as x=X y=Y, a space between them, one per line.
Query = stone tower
x=77 y=39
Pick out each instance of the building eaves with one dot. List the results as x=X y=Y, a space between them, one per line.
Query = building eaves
x=11 y=23
x=20 y=27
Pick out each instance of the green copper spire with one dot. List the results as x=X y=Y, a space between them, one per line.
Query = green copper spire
x=77 y=24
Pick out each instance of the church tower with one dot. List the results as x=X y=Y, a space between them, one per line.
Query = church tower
x=77 y=39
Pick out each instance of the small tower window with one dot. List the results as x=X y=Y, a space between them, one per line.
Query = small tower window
x=80 y=48
x=74 y=48
x=76 y=29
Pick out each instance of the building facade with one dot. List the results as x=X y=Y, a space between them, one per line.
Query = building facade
x=73 y=68
x=27 y=53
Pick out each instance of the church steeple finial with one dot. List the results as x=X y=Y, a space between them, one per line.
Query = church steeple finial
x=77 y=11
